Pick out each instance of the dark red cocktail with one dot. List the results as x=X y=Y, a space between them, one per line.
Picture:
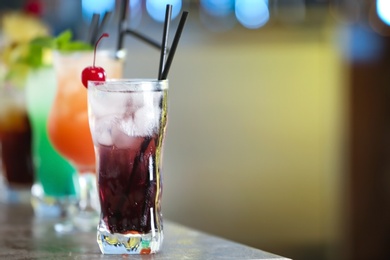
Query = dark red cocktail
x=129 y=184
x=128 y=120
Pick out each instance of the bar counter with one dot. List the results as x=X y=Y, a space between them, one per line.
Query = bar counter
x=23 y=236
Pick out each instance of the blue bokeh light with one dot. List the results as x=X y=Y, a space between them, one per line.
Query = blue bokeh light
x=136 y=13
x=134 y=4
x=89 y=7
x=252 y=14
x=218 y=7
x=359 y=43
x=383 y=10
x=156 y=8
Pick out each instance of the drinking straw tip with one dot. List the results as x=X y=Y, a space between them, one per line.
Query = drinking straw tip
x=168 y=14
x=94 y=28
x=104 y=21
x=175 y=43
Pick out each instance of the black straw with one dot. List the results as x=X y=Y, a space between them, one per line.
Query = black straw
x=97 y=27
x=163 y=55
x=105 y=19
x=94 y=27
x=122 y=24
x=175 y=42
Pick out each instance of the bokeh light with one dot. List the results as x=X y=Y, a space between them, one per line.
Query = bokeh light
x=156 y=8
x=217 y=7
x=89 y=7
x=135 y=12
x=252 y=14
x=359 y=43
x=383 y=10
x=217 y=15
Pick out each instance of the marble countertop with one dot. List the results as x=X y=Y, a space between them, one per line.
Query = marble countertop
x=23 y=236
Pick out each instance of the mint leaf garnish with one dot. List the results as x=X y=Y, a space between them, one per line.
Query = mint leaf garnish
x=45 y=41
x=75 y=46
x=39 y=51
x=64 y=42
x=36 y=54
x=63 y=38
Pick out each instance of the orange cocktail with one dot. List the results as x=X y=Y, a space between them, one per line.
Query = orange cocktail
x=69 y=132
x=68 y=121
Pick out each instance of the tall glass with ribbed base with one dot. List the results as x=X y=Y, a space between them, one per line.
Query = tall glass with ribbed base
x=128 y=121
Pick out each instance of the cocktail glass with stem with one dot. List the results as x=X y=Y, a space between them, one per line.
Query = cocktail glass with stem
x=69 y=129
x=128 y=121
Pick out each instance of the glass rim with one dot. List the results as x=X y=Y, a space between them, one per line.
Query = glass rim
x=118 y=55
x=132 y=85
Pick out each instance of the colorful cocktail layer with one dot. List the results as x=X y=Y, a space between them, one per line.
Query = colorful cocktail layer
x=68 y=121
x=53 y=172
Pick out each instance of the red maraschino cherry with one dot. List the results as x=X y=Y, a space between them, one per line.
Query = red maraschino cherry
x=92 y=73
x=33 y=7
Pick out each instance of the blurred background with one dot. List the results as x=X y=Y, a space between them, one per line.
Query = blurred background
x=279 y=127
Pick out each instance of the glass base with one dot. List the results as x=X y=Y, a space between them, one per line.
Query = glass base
x=51 y=207
x=130 y=244
x=80 y=221
x=83 y=216
x=13 y=194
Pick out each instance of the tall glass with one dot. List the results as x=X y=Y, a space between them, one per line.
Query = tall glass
x=16 y=167
x=55 y=186
x=128 y=121
x=69 y=130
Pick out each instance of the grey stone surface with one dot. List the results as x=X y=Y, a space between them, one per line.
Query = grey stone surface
x=23 y=236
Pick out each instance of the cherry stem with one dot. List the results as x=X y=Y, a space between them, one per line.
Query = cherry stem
x=96 y=44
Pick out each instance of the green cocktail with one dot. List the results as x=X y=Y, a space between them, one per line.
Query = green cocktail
x=55 y=177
